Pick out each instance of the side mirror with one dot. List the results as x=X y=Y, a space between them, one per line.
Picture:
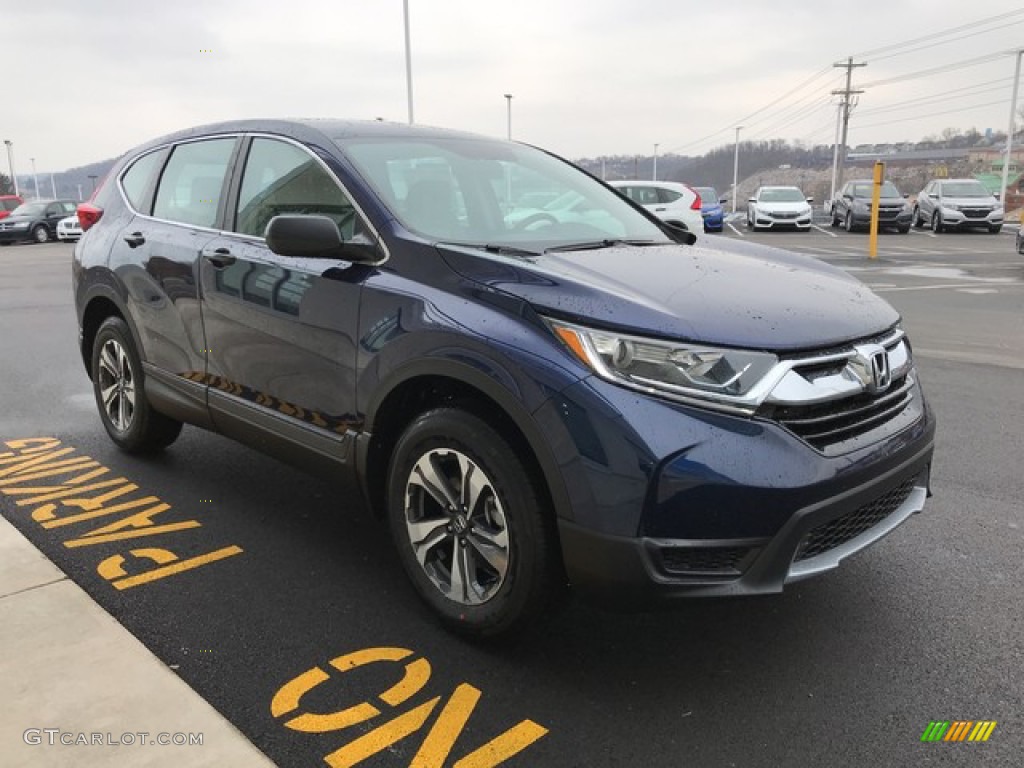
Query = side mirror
x=810 y=199
x=314 y=237
x=751 y=199
x=848 y=196
x=906 y=195
x=723 y=199
x=933 y=195
x=996 y=195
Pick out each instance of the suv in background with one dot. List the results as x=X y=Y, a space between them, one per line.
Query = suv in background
x=670 y=201
x=8 y=203
x=957 y=203
x=35 y=221
x=593 y=401
x=852 y=206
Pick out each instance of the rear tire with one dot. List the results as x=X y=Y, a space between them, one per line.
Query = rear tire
x=472 y=525
x=118 y=385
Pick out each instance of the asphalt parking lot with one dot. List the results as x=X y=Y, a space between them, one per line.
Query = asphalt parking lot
x=279 y=601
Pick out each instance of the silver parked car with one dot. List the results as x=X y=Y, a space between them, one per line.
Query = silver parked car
x=957 y=203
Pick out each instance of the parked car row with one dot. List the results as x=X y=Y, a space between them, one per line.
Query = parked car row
x=35 y=221
x=698 y=209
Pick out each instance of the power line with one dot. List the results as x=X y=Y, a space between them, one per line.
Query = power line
x=943 y=42
x=938 y=70
x=933 y=35
x=960 y=110
x=944 y=96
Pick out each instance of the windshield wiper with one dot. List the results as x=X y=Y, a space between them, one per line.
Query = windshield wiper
x=504 y=250
x=594 y=245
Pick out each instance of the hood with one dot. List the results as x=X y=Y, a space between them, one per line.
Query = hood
x=971 y=202
x=797 y=206
x=735 y=294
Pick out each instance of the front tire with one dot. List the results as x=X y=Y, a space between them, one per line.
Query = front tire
x=117 y=380
x=995 y=229
x=848 y=224
x=41 y=234
x=918 y=221
x=937 y=222
x=472 y=526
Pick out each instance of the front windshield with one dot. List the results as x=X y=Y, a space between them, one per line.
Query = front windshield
x=483 y=192
x=29 y=209
x=865 y=190
x=782 y=195
x=965 y=189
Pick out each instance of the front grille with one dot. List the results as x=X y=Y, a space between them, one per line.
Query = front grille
x=975 y=213
x=835 y=533
x=783 y=215
x=709 y=561
x=828 y=423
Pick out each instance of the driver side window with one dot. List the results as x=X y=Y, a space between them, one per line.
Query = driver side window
x=280 y=178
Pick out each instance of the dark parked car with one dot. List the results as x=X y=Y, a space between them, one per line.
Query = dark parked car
x=851 y=208
x=529 y=403
x=1020 y=237
x=35 y=221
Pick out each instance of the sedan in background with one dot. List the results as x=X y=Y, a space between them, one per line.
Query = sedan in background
x=69 y=228
x=35 y=221
x=711 y=209
x=778 y=207
x=670 y=201
x=852 y=207
x=1020 y=238
x=958 y=204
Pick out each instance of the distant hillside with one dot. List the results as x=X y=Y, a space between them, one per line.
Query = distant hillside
x=69 y=183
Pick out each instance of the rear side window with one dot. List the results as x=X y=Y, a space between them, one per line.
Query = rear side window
x=281 y=178
x=668 y=195
x=191 y=184
x=139 y=178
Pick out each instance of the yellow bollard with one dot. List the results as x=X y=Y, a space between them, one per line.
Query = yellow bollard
x=876 y=197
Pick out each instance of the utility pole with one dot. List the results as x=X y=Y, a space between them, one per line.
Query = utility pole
x=1009 y=133
x=408 y=59
x=846 y=105
x=736 y=167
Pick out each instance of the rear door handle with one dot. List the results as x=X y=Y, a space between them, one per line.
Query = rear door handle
x=134 y=240
x=220 y=257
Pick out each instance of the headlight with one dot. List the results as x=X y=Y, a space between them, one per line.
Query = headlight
x=861 y=205
x=998 y=210
x=20 y=225
x=681 y=370
x=806 y=211
x=951 y=206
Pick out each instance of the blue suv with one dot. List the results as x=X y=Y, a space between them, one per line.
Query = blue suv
x=593 y=399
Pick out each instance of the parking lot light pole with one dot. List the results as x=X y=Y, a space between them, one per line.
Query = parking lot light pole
x=53 y=186
x=10 y=162
x=508 y=101
x=1009 y=133
x=35 y=178
x=408 y=60
x=736 y=168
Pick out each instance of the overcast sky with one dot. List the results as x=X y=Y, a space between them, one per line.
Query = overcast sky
x=86 y=81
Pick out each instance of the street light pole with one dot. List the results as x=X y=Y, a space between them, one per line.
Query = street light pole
x=408 y=60
x=35 y=179
x=654 y=170
x=10 y=162
x=53 y=186
x=736 y=168
x=1009 y=133
x=508 y=100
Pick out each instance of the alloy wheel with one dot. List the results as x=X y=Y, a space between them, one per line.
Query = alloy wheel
x=457 y=526
x=116 y=385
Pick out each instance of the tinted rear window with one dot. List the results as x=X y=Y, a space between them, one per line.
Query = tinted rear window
x=138 y=180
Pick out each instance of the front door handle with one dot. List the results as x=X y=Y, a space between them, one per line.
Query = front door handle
x=134 y=240
x=220 y=257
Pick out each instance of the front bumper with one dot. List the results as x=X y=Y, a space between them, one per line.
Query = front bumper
x=15 y=235
x=954 y=219
x=771 y=221
x=903 y=219
x=715 y=505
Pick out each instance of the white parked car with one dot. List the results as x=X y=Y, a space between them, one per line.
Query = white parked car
x=670 y=201
x=774 y=207
x=69 y=228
